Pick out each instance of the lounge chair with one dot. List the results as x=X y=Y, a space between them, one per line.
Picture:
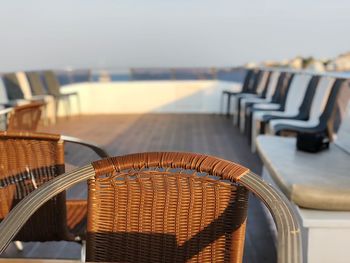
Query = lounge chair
x=265 y=98
x=320 y=112
x=293 y=100
x=248 y=81
x=54 y=87
x=49 y=108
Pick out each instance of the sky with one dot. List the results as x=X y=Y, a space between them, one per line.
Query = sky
x=115 y=34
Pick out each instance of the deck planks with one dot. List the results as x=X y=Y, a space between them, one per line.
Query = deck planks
x=123 y=134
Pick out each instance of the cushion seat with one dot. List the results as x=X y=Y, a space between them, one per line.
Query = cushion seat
x=317 y=181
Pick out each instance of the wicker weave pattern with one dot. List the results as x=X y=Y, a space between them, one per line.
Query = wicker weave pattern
x=25 y=117
x=143 y=209
x=26 y=162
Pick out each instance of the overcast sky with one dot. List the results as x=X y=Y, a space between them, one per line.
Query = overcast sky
x=39 y=34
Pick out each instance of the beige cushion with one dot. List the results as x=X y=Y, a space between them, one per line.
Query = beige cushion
x=318 y=181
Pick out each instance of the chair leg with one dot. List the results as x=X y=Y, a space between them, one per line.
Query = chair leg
x=18 y=245
x=78 y=104
x=83 y=251
x=68 y=110
x=228 y=109
x=222 y=102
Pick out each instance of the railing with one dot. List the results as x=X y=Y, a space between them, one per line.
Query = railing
x=150 y=74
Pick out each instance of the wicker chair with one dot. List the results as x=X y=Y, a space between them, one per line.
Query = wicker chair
x=22 y=118
x=27 y=161
x=25 y=117
x=160 y=207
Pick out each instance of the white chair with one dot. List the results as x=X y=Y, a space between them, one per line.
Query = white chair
x=318 y=105
x=248 y=100
x=49 y=109
x=294 y=99
x=260 y=87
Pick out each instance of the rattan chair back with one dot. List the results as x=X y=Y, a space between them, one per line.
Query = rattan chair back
x=36 y=83
x=52 y=83
x=172 y=207
x=25 y=117
x=26 y=162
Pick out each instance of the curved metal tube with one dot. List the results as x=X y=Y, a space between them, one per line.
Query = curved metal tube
x=289 y=249
x=97 y=149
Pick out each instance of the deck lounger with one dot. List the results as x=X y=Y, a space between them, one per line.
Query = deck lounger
x=248 y=79
x=54 y=89
x=49 y=109
x=278 y=103
x=28 y=161
x=249 y=101
x=13 y=91
x=304 y=108
x=166 y=206
x=260 y=88
x=294 y=99
x=326 y=92
x=272 y=104
x=251 y=89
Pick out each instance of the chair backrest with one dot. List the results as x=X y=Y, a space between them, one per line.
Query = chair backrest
x=25 y=117
x=272 y=84
x=36 y=83
x=157 y=207
x=254 y=81
x=3 y=93
x=247 y=79
x=13 y=89
x=27 y=161
x=24 y=84
x=320 y=99
x=263 y=89
x=296 y=93
x=341 y=116
x=335 y=110
x=304 y=109
x=282 y=89
x=263 y=82
x=52 y=83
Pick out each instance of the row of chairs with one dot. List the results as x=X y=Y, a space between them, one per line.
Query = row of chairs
x=284 y=102
x=25 y=87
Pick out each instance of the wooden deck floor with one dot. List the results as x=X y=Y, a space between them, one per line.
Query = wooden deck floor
x=122 y=134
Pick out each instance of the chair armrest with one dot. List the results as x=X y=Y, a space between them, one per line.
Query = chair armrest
x=266 y=106
x=18 y=216
x=97 y=149
x=289 y=249
x=297 y=129
x=5 y=111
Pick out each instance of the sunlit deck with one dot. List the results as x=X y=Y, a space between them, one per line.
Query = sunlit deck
x=122 y=134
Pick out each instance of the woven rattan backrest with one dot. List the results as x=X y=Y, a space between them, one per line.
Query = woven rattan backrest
x=166 y=207
x=28 y=160
x=25 y=117
x=36 y=83
x=52 y=83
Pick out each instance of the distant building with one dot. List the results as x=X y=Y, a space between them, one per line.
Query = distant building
x=341 y=63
